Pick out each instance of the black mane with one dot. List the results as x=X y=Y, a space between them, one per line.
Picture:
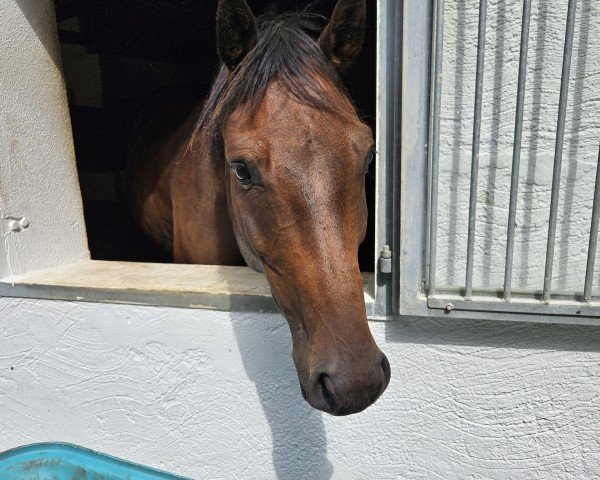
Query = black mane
x=284 y=52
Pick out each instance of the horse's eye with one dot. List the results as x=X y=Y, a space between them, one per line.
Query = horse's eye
x=370 y=158
x=242 y=173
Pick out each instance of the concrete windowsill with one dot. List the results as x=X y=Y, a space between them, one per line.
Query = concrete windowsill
x=169 y=285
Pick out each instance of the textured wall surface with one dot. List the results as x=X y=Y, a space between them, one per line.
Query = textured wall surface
x=38 y=178
x=214 y=395
x=547 y=34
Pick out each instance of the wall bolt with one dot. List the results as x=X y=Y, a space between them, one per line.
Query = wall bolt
x=17 y=224
x=449 y=308
x=24 y=223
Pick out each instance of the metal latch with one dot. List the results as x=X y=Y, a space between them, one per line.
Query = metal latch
x=385 y=260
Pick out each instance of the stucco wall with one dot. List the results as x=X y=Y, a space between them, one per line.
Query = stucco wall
x=38 y=176
x=214 y=395
x=547 y=34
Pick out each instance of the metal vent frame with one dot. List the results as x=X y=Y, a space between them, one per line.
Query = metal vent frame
x=413 y=68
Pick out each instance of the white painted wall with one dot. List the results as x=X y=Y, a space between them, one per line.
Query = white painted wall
x=38 y=176
x=214 y=395
x=547 y=33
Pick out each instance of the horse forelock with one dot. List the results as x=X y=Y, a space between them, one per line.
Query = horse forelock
x=286 y=53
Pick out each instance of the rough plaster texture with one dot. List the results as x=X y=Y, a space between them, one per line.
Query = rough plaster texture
x=38 y=178
x=214 y=395
x=548 y=22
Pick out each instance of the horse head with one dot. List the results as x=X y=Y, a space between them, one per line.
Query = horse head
x=294 y=154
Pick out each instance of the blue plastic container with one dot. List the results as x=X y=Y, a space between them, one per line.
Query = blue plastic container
x=60 y=461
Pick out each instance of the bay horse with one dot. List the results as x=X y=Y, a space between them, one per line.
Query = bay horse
x=270 y=170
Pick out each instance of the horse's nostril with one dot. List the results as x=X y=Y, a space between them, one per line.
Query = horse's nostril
x=350 y=390
x=324 y=380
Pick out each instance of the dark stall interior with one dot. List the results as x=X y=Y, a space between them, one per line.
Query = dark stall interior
x=120 y=56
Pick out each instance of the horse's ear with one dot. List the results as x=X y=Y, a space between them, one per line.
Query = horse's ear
x=342 y=39
x=237 y=32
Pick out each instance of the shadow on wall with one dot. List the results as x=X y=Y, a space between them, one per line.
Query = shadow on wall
x=494 y=334
x=581 y=54
x=457 y=139
x=41 y=18
x=533 y=147
x=498 y=59
x=297 y=430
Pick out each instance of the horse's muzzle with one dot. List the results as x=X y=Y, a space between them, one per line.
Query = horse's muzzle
x=349 y=391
